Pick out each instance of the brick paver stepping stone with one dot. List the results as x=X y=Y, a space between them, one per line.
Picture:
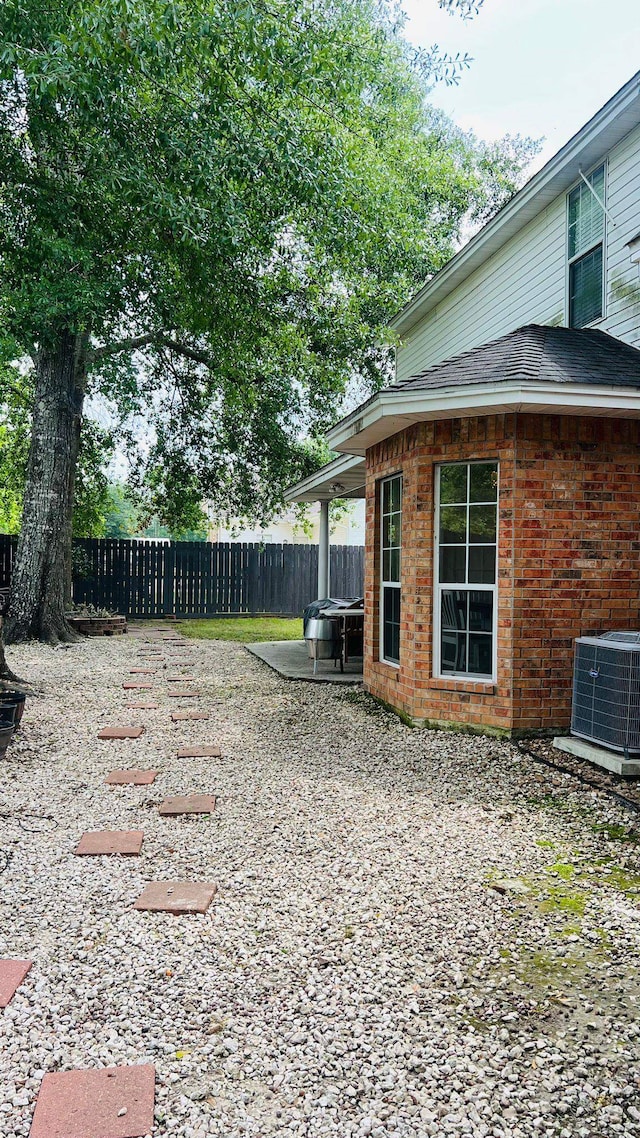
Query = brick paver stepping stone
x=12 y=973
x=115 y=1102
x=188 y=804
x=209 y=751
x=128 y=843
x=120 y=732
x=177 y=716
x=176 y=897
x=180 y=679
x=133 y=685
x=188 y=692
x=142 y=706
x=142 y=671
x=131 y=777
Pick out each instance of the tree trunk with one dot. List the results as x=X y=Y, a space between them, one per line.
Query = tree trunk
x=39 y=581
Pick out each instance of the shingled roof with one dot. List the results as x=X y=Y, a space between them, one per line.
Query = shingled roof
x=536 y=353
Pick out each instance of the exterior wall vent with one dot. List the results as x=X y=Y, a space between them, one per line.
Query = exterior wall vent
x=606 y=691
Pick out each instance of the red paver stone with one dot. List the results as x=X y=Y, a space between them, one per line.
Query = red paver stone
x=128 y=843
x=130 y=777
x=89 y=1104
x=176 y=897
x=180 y=679
x=142 y=671
x=120 y=732
x=188 y=804
x=177 y=716
x=209 y=751
x=12 y=973
x=133 y=685
x=184 y=694
x=142 y=706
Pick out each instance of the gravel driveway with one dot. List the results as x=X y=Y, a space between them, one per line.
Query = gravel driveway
x=415 y=933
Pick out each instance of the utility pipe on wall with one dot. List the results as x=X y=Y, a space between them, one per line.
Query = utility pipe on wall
x=323 y=552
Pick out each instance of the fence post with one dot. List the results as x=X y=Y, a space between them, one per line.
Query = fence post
x=169 y=602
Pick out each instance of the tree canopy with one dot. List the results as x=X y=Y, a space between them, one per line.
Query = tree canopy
x=208 y=211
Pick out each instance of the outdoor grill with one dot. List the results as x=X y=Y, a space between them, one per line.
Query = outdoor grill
x=323 y=639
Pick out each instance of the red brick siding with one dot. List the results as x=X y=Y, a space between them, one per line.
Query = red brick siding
x=569 y=509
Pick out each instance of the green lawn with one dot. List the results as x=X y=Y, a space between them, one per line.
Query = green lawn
x=244 y=629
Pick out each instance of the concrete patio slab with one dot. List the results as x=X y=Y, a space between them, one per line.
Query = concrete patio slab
x=115 y=1102
x=12 y=973
x=289 y=658
x=95 y=843
x=120 y=732
x=130 y=777
x=188 y=804
x=176 y=897
x=210 y=751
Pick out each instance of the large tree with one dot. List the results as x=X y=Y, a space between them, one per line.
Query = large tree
x=208 y=210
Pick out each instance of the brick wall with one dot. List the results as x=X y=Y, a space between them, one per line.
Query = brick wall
x=568 y=545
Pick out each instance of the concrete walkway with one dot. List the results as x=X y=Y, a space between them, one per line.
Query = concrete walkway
x=290 y=659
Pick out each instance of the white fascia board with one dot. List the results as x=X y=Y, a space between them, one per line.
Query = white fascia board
x=347 y=469
x=393 y=411
x=591 y=144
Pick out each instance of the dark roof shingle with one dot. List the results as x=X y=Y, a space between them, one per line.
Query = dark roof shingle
x=537 y=353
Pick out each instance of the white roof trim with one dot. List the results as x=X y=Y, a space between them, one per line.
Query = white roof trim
x=393 y=411
x=345 y=471
x=589 y=146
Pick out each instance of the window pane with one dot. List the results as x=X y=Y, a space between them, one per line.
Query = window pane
x=454 y=608
x=453 y=483
x=391 y=565
x=391 y=625
x=585 y=289
x=453 y=525
x=480 y=612
x=386 y=497
x=391 y=530
x=482 y=524
x=480 y=653
x=483 y=482
x=396 y=487
x=453 y=652
x=452 y=564
x=482 y=565
x=586 y=216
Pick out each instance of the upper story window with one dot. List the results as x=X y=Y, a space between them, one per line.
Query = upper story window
x=390 y=551
x=586 y=251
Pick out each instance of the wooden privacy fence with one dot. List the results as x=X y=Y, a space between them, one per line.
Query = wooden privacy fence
x=196 y=578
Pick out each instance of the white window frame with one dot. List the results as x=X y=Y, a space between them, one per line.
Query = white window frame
x=383 y=583
x=461 y=677
x=569 y=261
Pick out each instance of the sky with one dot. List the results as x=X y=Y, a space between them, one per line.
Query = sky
x=540 y=67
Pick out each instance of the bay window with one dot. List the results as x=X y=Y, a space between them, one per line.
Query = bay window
x=390 y=557
x=466 y=532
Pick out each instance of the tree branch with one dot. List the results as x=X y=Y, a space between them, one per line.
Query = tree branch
x=159 y=339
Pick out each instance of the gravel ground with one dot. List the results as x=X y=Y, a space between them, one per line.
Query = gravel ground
x=415 y=933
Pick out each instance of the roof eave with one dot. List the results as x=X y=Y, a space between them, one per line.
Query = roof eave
x=592 y=142
x=394 y=411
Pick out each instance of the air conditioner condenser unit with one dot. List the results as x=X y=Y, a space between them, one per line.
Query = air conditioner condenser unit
x=606 y=691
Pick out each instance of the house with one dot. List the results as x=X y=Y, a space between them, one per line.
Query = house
x=347 y=529
x=501 y=471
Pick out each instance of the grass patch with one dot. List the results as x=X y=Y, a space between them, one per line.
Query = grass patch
x=244 y=629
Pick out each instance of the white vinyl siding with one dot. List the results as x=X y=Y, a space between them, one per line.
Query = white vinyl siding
x=525 y=282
